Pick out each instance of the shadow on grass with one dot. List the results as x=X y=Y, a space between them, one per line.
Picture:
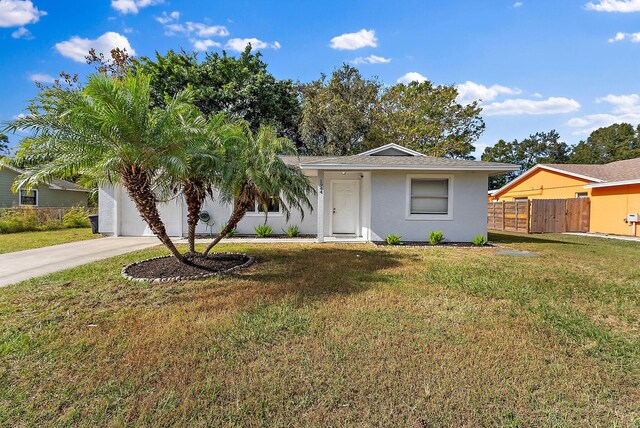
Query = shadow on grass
x=306 y=273
x=508 y=238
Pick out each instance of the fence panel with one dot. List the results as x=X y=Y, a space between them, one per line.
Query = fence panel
x=541 y=215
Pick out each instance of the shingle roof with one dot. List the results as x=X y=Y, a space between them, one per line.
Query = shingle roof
x=393 y=162
x=615 y=171
x=55 y=184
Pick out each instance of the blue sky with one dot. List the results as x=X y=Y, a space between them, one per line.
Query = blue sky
x=569 y=65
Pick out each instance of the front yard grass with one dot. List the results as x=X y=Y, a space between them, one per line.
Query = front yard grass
x=10 y=242
x=335 y=335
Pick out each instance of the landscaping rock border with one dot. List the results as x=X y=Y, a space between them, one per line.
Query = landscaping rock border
x=125 y=274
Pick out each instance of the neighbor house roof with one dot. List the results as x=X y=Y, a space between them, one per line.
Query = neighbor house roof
x=408 y=160
x=610 y=174
x=55 y=184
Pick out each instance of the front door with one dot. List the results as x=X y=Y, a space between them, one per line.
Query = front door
x=345 y=207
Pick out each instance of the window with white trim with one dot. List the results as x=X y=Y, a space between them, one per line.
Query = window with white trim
x=429 y=197
x=582 y=194
x=28 y=197
x=272 y=208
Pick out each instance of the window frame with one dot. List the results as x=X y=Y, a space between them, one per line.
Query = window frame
x=37 y=194
x=259 y=213
x=586 y=195
x=441 y=217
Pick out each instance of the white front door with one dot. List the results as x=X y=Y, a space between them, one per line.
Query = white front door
x=345 y=206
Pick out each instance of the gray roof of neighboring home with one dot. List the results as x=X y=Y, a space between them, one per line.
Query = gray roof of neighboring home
x=55 y=184
x=615 y=171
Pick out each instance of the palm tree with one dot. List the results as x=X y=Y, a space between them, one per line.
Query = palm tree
x=204 y=159
x=254 y=173
x=108 y=132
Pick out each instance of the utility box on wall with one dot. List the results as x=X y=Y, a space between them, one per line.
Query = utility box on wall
x=632 y=218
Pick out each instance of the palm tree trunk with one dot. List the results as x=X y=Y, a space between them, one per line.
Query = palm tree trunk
x=194 y=196
x=238 y=213
x=138 y=186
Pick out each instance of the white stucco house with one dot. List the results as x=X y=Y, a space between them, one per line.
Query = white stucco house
x=364 y=197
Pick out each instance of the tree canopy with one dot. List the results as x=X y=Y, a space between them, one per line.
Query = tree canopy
x=4 y=144
x=541 y=147
x=337 y=112
x=612 y=143
x=241 y=87
x=428 y=119
x=619 y=141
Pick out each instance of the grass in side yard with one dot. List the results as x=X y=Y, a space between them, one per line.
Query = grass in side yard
x=335 y=335
x=11 y=242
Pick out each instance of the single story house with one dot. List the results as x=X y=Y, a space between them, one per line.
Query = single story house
x=57 y=194
x=614 y=190
x=364 y=197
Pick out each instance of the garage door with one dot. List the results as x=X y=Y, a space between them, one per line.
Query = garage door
x=133 y=225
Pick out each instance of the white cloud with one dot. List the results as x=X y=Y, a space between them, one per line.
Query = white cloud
x=41 y=77
x=205 y=44
x=536 y=95
x=22 y=33
x=412 y=76
x=624 y=6
x=624 y=108
x=77 y=48
x=371 y=59
x=634 y=37
x=133 y=6
x=518 y=107
x=166 y=18
x=239 y=45
x=16 y=13
x=196 y=28
x=470 y=91
x=357 y=40
x=518 y=4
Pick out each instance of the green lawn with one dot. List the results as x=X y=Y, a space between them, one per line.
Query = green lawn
x=11 y=242
x=335 y=335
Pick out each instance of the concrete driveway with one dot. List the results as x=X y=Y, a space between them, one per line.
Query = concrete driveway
x=22 y=265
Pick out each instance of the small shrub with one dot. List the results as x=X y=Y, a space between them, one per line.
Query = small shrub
x=394 y=239
x=231 y=233
x=19 y=220
x=76 y=217
x=480 y=241
x=292 y=231
x=263 y=230
x=436 y=237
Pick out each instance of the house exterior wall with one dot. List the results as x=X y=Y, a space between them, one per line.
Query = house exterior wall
x=118 y=216
x=383 y=205
x=7 y=197
x=611 y=205
x=544 y=184
x=47 y=198
x=389 y=207
x=107 y=205
x=221 y=213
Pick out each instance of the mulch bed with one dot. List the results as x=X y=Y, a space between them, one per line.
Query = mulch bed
x=426 y=244
x=242 y=236
x=168 y=268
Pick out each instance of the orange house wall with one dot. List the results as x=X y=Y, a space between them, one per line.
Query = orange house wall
x=610 y=206
x=544 y=184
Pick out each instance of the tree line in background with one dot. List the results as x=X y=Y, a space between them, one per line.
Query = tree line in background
x=608 y=144
x=346 y=113
x=341 y=114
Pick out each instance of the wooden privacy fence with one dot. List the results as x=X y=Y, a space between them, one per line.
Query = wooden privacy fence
x=540 y=215
x=509 y=216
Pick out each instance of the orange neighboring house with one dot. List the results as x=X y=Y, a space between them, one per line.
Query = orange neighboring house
x=614 y=189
